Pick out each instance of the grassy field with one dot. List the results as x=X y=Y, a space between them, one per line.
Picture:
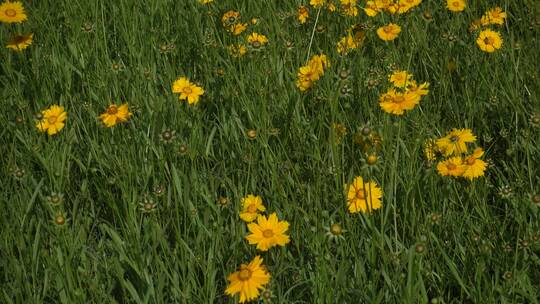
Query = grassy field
x=147 y=211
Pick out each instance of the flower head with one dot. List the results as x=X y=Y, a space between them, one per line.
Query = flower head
x=473 y=166
x=451 y=167
x=12 y=12
x=187 y=90
x=257 y=40
x=248 y=280
x=489 y=41
x=364 y=197
x=494 y=16
x=456 y=5
x=20 y=42
x=115 y=114
x=397 y=103
x=53 y=120
x=268 y=232
x=389 y=32
x=303 y=14
x=400 y=79
x=455 y=142
x=251 y=206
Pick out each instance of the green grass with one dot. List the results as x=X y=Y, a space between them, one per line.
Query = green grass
x=479 y=246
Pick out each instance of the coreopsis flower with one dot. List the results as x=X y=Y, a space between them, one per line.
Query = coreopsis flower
x=12 y=12
x=489 y=41
x=303 y=14
x=317 y=3
x=400 y=79
x=451 y=167
x=256 y=40
x=494 y=16
x=456 y=5
x=389 y=32
x=238 y=50
x=455 y=142
x=363 y=197
x=248 y=280
x=349 y=7
x=115 y=114
x=206 y=1
x=430 y=150
x=268 y=232
x=251 y=206
x=346 y=44
x=187 y=90
x=311 y=72
x=473 y=166
x=53 y=120
x=20 y=42
x=397 y=103
x=238 y=28
x=406 y=5
x=371 y=9
x=230 y=18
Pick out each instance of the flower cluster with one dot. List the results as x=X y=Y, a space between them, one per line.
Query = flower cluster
x=232 y=22
x=373 y=8
x=354 y=39
x=489 y=40
x=458 y=162
x=14 y=12
x=311 y=72
x=404 y=95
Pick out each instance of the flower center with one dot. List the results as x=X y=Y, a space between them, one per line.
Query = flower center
x=456 y=4
x=256 y=44
x=112 y=110
x=167 y=135
x=232 y=19
x=268 y=233
x=52 y=119
x=489 y=40
x=387 y=29
x=252 y=208
x=399 y=99
x=336 y=229
x=11 y=12
x=470 y=161
x=454 y=138
x=451 y=167
x=360 y=194
x=244 y=275
x=187 y=90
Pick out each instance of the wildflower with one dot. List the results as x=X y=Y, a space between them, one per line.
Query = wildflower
x=167 y=136
x=12 y=12
x=257 y=40
x=406 y=5
x=317 y=3
x=147 y=204
x=389 y=32
x=363 y=197
x=53 y=120
x=456 y=5
x=59 y=219
x=20 y=42
x=348 y=7
x=206 y=1
x=396 y=103
x=268 y=232
x=489 y=41
x=346 y=44
x=335 y=232
x=251 y=206
x=451 y=167
x=238 y=50
x=494 y=16
x=55 y=199
x=473 y=165
x=115 y=115
x=230 y=18
x=454 y=143
x=311 y=72
x=400 y=79
x=371 y=9
x=187 y=90
x=430 y=150
x=248 y=280
x=303 y=14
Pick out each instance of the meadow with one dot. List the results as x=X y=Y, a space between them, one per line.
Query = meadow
x=305 y=151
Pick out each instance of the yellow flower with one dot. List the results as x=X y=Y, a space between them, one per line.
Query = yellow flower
x=187 y=90
x=346 y=44
x=474 y=166
x=115 y=115
x=371 y=9
x=456 y=5
x=248 y=280
x=331 y=7
x=451 y=167
x=230 y=18
x=12 y=12
x=53 y=120
x=430 y=150
x=400 y=79
x=494 y=16
x=348 y=7
x=406 y=5
x=364 y=197
x=396 y=103
x=303 y=14
x=489 y=41
x=311 y=72
x=237 y=50
x=257 y=40
x=417 y=90
x=455 y=142
x=389 y=32
x=251 y=206
x=206 y=1
x=317 y=3
x=238 y=28
x=268 y=232
x=20 y=42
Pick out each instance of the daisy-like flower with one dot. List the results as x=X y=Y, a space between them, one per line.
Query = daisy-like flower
x=303 y=14
x=12 y=12
x=349 y=7
x=430 y=150
x=400 y=79
x=248 y=280
x=456 y=5
x=455 y=142
x=489 y=41
x=238 y=50
x=238 y=28
x=257 y=40
x=364 y=197
x=406 y=5
x=20 y=42
x=251 y=206
x=311 y=72
x=418 y=90
x=187 y=90
x=53 y=120
x=389 y=32
x=206 y=1
x=451 y=167
x=346 y=44
x=473 y=165
x=268 y=232
x=371 y=9
x=230 y=18
x=317 y=3
x=494 y=16
x=397 y=103
x=115 y=114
